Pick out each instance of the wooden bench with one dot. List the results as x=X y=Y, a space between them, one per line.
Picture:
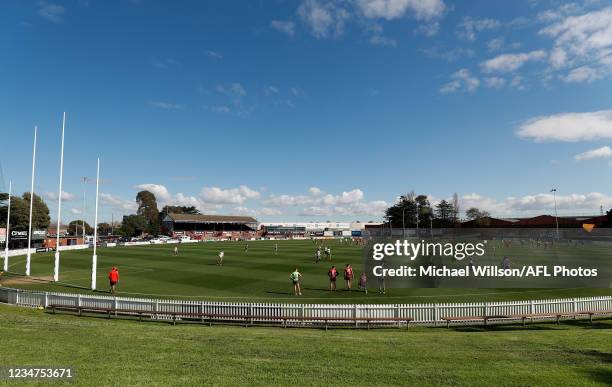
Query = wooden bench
x=525 y=316
x=470 y=318
x=248 y=318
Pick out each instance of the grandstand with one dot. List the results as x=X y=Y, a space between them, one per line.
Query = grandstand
x=210 y=226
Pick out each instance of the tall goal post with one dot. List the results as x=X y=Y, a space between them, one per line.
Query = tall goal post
x=8 y=228
x=59 y=207
x=29 y=253
x=94 y=258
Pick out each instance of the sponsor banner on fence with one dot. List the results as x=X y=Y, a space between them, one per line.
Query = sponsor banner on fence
x=2 y=234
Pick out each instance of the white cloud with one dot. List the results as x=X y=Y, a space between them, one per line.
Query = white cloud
x=469 y=27
x=218 y=108
x=582 y=40
x=75 y=211
x=323 y=18
x=315 y=191
x=233 y=90
x=287 y=27
x=604 y=151
x=506 y=63
x=168 y=105
x=118 y=203
x=270 y=211
x=570 y=127
x=379 y=40
x=558 y=57
x=52 y=12
x=160 y=191
x=270 y=90
x=559 y=12
x=428 y=29
x=228 y=196
x=495 y=44
x=542 y=203
x=517 y=82
x=394 y=9
x=66 y=196
x=494 y=82
x=213 y=54
x=582 y=74
x=164 y=63
x=461 y=80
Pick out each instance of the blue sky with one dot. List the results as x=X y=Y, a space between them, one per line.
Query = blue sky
x=312 y=109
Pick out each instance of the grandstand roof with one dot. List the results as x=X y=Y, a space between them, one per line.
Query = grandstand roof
x=190 y=218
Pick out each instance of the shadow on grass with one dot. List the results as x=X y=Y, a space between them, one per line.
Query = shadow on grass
x=604 y=323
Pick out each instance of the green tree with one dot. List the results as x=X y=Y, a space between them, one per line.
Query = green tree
x=20 y=212
x=180 y=210
x=474 y=213
x=132 y=225
x=76 y=228
x=105 y=228
x=444 y=214
x=147 y=208
x=404 y=212
x=40 y=212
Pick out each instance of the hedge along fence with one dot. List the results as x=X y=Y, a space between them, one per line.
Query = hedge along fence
x=275 y=313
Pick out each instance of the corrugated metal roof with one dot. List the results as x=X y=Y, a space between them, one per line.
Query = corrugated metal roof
x=191 y=218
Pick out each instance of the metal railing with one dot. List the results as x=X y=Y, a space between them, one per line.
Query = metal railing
x=274 y=313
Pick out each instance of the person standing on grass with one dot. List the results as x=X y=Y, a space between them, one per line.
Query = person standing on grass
x=176 y=250
x=246 y=249
x=220 y=258
x=333 y=275
x=275 y=248
x=363 y=283
x=348 y=276
x=295 y=278
x=113 y=278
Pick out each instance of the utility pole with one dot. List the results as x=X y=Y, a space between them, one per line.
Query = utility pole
x=554 y=191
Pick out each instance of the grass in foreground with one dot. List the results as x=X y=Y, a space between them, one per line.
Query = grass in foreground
x=123 y=352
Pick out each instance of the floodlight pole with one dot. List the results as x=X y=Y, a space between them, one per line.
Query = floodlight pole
x=94 y=260
x=554 y=191
x=29 y=253
x=59 y=207
x=8 y=228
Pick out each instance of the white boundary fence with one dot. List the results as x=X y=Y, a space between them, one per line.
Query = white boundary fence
x=274 y=313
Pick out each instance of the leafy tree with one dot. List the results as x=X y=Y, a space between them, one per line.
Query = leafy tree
x=474 y=213
x=444 y=213
x=105 y=228
x=20 y=212
x=180 y=210
x=76 y=228
x=147 y=208
x=132 y=225
x=404 y=212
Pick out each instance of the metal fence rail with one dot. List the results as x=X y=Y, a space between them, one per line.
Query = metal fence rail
x=275 y=313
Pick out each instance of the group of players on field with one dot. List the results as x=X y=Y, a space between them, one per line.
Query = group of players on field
x=295 y=276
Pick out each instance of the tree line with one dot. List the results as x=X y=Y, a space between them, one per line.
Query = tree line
x=146 y=220
x=412 y=209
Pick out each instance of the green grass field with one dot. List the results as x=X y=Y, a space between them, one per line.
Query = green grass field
x=126 y=352
x=153 y=271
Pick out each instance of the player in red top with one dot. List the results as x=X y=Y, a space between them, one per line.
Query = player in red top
x=113 y=278
x=348 y=276
x=332 y=274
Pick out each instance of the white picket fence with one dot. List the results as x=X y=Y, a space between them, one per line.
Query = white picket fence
x=273 y=313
